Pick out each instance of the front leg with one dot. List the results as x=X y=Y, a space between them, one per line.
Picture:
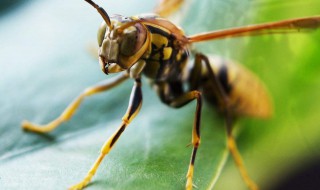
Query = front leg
x=71 y=109
x=134 y=106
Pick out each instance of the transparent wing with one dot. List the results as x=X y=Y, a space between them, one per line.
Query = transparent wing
x=167 y=7
x=285 y=26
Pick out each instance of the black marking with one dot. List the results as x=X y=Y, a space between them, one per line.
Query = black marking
x=176 y=88
x=198 y=114
x=185 y=55
x=119 y=132
x=155 y=50
x=155 y=30
x=174 y=91
x=136 y=99
x=161 y=92
x=193 y=158
x=161 y=54
x=223 y=79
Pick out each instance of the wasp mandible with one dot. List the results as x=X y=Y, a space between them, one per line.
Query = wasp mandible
x=154 y=47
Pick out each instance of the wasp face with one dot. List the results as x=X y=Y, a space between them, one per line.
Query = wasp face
x=121 y=45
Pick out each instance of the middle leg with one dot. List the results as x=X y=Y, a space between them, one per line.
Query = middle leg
x=180 y=101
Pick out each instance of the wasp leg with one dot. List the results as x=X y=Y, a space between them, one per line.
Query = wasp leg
x=232 y=146
x=223 y=101
x=167 y=7
x=70 y=110
x=179 y=102
x=134 y=106
x=220 y=94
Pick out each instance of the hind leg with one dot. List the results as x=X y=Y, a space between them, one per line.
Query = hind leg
x=223 y=102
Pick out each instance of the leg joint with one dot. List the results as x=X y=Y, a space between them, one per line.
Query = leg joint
x=196 y=144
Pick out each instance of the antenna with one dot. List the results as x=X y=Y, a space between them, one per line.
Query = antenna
x=102 y=12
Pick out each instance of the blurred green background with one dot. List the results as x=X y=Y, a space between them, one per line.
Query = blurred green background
x=45 y=63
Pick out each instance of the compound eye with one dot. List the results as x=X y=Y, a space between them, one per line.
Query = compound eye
x=101 y=33
x=128 y=44
x=133 y=44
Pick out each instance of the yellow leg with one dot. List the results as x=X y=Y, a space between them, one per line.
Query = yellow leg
x=135 y=104
x=104 y=151
x=223 y=102
x=239 y=163
x=179 y=102
x=232 y=146
x=167 y=7
x=195 y=140
x=70 y=110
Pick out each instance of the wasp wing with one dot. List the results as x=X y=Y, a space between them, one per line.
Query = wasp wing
x=285 y=26
x=167 y=7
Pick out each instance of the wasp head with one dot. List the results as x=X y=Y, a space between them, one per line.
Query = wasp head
x=122 y=41
x=121 y=44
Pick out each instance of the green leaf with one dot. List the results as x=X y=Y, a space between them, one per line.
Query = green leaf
x=45 y=64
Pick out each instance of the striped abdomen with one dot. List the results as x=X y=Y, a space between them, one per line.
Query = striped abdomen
x=246 y=93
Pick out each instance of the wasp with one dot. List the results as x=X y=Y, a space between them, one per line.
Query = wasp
x=154 y=47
